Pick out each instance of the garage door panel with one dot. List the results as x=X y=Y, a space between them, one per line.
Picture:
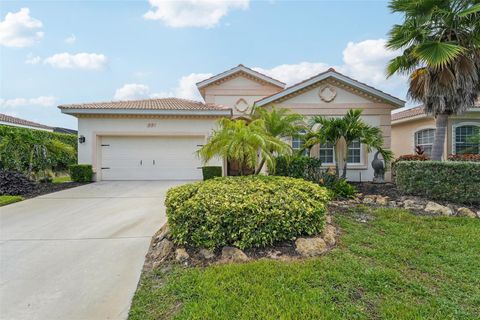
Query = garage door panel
x=151 y=158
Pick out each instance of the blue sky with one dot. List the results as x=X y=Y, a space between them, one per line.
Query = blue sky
x=69 y=52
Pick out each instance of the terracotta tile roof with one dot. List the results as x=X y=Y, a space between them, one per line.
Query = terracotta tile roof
x=417 y=111
x=22 y=122
x=148 y=104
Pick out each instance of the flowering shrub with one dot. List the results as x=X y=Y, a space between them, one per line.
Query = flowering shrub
x=464 y=157
x=248 y=211
x=412 y=157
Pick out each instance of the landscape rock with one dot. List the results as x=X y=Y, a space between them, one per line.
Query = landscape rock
x=412 y=205
x=435 y=208
x=328 y=219
x=233 y=254
x=382 y=200
x=162 y=250
x=370 y=199
x=465 y=212
x=206 y=254
x=310 y=247
x=163 y=233
x=181 y=255
x=478 y=214
x=274 y=254
x=329 y=234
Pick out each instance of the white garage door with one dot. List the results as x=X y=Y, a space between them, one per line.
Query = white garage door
x=150 y=158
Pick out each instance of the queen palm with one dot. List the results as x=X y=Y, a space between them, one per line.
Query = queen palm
x=440 y=44
x=243 y=141
x=279 y=123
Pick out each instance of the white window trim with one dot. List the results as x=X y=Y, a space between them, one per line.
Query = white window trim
x=418 y=130
x=326 y=164
x=454 y=132
x=362 y=155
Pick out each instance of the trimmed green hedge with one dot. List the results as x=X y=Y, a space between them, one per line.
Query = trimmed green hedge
x=22 y=149
x=249 y=211
x=81 y=172
x=210 y=172
x=451 y=180
x=299 y=167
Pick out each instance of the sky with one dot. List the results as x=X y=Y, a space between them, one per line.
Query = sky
x=61 y=52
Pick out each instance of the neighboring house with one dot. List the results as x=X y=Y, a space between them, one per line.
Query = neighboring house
x=412 y=127
x=17 y=122
x=157 y=138
x=64 y=130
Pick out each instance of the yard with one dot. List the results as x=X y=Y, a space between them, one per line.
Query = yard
x=388 y=263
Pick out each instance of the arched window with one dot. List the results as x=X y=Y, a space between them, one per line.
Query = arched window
x=463 y=142
x=424 y=139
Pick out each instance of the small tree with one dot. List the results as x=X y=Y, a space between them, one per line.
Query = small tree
x=244 y=142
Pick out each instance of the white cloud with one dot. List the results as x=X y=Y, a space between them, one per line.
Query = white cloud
x=187 y=88
x=20 y=30
x=294 y=73
x=44 y=101
x=71 y=39
x=193 y=13
x=132 y=91
x=88 y=61
x=33 y=59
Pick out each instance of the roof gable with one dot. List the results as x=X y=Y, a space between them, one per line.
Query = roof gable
x=338 y=77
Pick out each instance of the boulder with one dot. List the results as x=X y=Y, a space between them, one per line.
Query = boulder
x=412 y=205
x=181 y=255
x=310 y=247
x=370 y=199
x=329 y=234
x=233 y=254
x=381 y=200
x=162 y=250
x=465 y=212
x=328 y=219
x=162 y=233
x=274 y=254
x=206 y=254
x=478 y=214
x=435 y=208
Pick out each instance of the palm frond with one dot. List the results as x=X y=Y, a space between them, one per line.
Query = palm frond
x=437 y=54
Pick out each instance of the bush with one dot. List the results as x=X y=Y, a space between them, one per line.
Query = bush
x=299 y=167
x=14 y=183
x=248 y=211
x=211 y=172
x=30 y=151
x=412 y=157
x=81 y=172
x=451 y=181
x=464 y=157
x=341 y=189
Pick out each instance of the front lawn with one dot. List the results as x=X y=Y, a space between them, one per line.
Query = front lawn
x=4 y=200
x=61 y=179
x=394 y=266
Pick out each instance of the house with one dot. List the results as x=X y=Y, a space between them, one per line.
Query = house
x=17 y=122
x=157 y=138
x=412 y=127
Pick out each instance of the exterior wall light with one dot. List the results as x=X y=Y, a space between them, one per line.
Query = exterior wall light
x=81 y=139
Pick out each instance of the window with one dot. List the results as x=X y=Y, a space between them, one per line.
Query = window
x=463 y=134
x=297 y=143
x=424 y=138
x=327 y=153
x=354 y=152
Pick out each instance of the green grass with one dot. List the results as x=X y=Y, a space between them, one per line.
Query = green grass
x=4 y=200
x=396 y=266
x=62 y=179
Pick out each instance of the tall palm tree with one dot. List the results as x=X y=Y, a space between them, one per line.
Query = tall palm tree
x=243 y=142
x=279 y=123
x=440 y=40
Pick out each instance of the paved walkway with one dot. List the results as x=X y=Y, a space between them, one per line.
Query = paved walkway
x=78 y=253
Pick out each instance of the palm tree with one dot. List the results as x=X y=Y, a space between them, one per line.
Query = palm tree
x=348 y=129
x=440 y=40
x=279 y=123
x=241 y=141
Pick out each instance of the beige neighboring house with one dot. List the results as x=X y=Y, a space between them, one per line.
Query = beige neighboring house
x=17 y=122
x=412 y=127
x=157 y=139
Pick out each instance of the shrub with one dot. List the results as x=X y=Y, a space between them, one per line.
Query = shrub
x=412 y=157
x=248 y=211
x=298 y=167
x=15 y=183
x=211 y=172
x=81 y=172
x=452 y=181
x=464 y=157
x=341 y=189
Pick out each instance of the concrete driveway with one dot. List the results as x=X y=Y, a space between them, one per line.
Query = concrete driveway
x=78 y=253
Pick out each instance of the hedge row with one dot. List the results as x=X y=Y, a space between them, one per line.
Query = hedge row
x=23 y=149
x=249 y=211
x=81 y=172
x=451 y=181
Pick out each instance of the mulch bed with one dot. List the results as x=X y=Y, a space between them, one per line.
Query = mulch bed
x=383 y=189
x=46 y=188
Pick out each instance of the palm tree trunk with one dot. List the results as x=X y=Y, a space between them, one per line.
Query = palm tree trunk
x=345 y=160
x=440 y=133
x=260 y=166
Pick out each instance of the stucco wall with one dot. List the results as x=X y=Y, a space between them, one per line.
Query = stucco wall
x=375 y=113
x=93 y=128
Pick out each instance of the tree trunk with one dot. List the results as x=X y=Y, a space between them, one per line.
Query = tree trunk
x=260 y=166
x=440 y=133
x=345 y=160
x=335 y=153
